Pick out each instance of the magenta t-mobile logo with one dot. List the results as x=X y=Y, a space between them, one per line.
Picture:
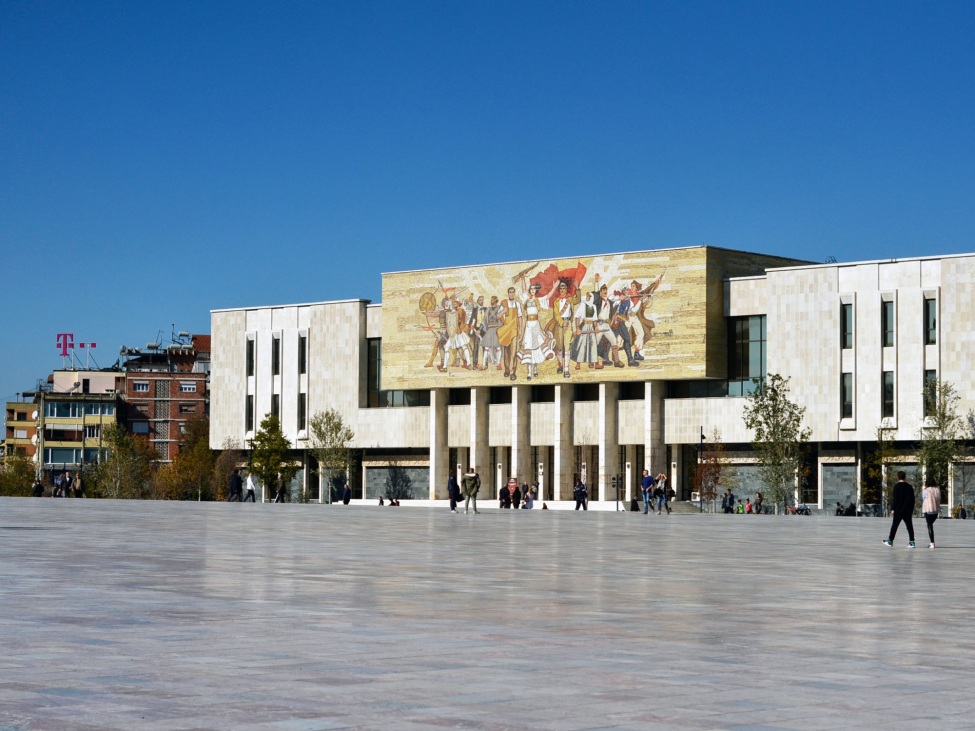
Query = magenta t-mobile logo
x=65 y=343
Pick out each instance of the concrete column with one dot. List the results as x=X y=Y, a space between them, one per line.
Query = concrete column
x=607 y=440
x=560 y=472
x=655 y=450
x=477 y=453
x=439 y=454
x=521 y=466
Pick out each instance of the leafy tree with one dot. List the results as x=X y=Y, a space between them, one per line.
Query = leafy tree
x=331 y=439
x=939 y=447
x=779 y=437
x=126 y=471
x=881 y=470
x=190 y=475
x=714 y=471
x=271 y=454
x=231 y=456
x=16 y=476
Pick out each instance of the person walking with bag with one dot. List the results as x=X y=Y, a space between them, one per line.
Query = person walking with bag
x=931 y=505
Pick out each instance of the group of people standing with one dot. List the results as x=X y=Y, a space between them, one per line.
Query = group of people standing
x=655 y=492
x=731 y=504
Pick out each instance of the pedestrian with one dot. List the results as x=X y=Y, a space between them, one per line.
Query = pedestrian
x=514 y=494
x=346 y=493
x=530 y=494
x=279 y=495
x=962 y=513
x=659 y=495
x=758 y=503
x=668 y=494
x=580 y=493
x=470 y=485
x=902 y=509
x=38 y=489
x=251 y=494
x=236 y=489
x=748 y=506
x=931 y=505
x=453 y=492
x=67 y=485
x=724 y=502
x=646 y=483
x=504 y=497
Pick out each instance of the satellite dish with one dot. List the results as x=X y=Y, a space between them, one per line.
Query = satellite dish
x=33 y=439
x=34 y=416
x=35 y=456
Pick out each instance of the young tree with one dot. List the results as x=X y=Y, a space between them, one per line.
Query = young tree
x=939 y=447
x=330 y=439
x=271 y=455
x=881 y=470
x=16 y=476
x=714 y=472
x=126 y=471
x=779 y=437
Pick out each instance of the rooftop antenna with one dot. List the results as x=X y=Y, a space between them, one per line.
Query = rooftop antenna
x=830 y=259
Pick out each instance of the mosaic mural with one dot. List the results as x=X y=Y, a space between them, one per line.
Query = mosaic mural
x=632 y=316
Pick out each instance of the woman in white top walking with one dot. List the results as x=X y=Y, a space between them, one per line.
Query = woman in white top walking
x=931 y=506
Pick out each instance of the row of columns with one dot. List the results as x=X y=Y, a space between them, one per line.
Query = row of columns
x=560 y=473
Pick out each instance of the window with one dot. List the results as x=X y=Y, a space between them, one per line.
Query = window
x=930 y=321
x=249 y=414
x=275 y=404
x=93 y=431
x=632 y=390
x=888 y=406
x=846 y=326
x=140 y=427
x=887 y=324
x=302 y=405
x=250 y=357
x=302 y=354
x=140 y=387
x=187 y=408
x=275 y=356
x=187 y=386
x=746 y=353
x=847 y=396
x=930 y=394
x=373 y=367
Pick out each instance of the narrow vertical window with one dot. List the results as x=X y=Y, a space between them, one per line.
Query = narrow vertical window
x=887 y=324
x=302 y=354
x=846 y=326
x=930 y=392
x=302 y=419
x=275 y=356
x=888 y=406
x=930 y=321
x=249 y=414
x=276 y=405
x=847 y=396
x=250 y=357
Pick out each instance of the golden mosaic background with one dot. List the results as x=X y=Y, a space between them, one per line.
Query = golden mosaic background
x=683 y=343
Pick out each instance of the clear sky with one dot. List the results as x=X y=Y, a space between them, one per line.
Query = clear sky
x=162 y=159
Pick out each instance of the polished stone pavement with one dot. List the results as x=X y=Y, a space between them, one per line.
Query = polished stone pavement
x=154 y=615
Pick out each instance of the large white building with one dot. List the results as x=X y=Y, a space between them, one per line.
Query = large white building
x=666 y=349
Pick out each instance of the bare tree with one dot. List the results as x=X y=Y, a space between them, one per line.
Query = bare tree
x=714 y=471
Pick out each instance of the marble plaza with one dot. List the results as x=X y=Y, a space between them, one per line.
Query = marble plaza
x=179 y=616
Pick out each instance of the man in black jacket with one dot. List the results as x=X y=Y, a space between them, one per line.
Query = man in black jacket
x=902 y=508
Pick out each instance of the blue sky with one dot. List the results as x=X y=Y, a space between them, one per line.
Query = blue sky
x=162 y=159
